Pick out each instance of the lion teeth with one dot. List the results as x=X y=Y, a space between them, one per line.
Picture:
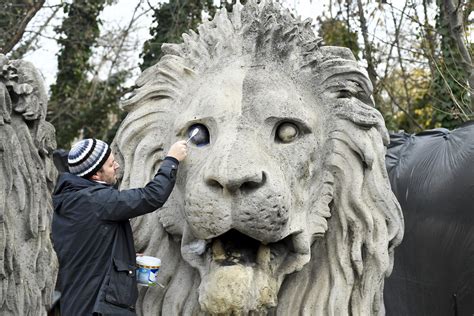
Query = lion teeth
x=263 y=256
x=218 y=252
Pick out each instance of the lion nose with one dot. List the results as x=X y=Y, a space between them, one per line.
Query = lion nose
x=236 y=181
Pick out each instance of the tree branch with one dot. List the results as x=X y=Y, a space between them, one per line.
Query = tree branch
x=30 y=13
x=19 y=52
x=457 y=32
x=367 y=46
x=400 y=107
x=400 y=60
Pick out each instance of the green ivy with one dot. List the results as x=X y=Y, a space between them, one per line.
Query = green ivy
x=172 y=19
x=77 y=104
x=451 y=78
x=335 y=32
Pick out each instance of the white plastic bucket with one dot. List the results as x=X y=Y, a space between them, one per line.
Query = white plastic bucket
x=147 y=269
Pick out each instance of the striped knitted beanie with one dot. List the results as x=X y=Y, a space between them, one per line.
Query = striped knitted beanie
x=87 y=156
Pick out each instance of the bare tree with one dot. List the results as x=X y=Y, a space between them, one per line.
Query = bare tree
x=15 y=16
x=27 y=43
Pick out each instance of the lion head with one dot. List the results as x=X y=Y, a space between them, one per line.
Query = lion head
x=283 y=204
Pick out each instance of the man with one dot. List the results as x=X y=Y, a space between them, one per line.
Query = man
x=91 y=230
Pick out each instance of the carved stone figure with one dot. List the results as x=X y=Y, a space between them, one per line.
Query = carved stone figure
x=28 y=265
x=283 y=205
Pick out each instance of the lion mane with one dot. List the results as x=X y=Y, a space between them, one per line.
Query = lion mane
x=354 y=220
x=28 y=264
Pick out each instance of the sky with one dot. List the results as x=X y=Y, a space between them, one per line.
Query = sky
x=119 y=14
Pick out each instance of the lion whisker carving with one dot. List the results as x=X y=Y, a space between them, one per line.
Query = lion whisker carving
x=283 y=205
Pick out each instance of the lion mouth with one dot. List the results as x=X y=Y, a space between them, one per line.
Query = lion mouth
x=235 y=248
x=240 y=274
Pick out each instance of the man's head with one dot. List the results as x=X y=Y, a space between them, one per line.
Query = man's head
x=92 y=159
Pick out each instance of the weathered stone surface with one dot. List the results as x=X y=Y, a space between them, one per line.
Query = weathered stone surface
x=283 y=205
x=28 y=265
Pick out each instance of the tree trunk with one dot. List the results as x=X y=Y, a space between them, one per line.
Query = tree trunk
x=431 y=55
x=368 y=49
x=456 y=27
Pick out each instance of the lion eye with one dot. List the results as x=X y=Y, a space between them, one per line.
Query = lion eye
x=202 y=137
x=344 y=94
x=286 y=132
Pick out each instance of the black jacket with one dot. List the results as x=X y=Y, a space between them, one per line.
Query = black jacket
x=94 y=242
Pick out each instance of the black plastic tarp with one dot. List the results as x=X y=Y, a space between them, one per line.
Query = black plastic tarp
x=432 y=175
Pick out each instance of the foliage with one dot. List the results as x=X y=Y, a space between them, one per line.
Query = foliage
x=99 y=112
x=229 y=4
x=172 y=19
x=79 y=106
x=418 y=84
x=421 y=78
x=336 y=32
x=449 y=82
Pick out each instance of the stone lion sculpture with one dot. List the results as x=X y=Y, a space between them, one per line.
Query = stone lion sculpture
x=283 y=205
x=28 y=264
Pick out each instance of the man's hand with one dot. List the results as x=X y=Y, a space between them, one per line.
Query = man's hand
x=178 y=150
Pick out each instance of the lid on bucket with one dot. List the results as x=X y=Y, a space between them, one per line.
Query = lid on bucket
x=148 y=261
